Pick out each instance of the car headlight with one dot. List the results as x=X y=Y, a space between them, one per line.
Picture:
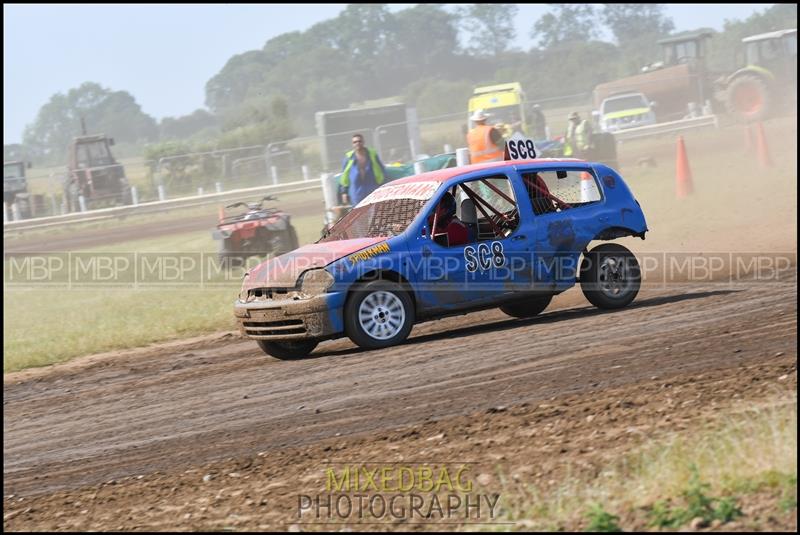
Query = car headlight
x=244 y=290
x=316 y=281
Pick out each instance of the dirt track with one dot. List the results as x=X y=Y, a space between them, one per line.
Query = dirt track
x=175 y=411
x=174 y=406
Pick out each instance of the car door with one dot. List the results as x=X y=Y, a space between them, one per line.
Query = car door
x=485 y=269
x=567 y=207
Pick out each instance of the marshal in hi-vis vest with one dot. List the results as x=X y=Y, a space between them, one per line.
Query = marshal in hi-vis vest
x=481 y=148
x=376 y=168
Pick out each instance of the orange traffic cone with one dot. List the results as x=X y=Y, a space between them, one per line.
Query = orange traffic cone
x=761 y=145
x=683 y=175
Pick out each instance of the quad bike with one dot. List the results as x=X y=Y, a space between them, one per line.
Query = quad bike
x=257 y=232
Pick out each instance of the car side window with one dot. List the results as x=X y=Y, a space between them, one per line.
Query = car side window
x=482 y=209
x=559 y=190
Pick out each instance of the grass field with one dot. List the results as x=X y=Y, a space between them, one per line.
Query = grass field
x=47 y=325
x=736 y=206
x=676 y=479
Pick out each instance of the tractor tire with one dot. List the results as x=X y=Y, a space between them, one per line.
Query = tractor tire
x=71 y=194
x=24 y=206
x=287 y=350
x=528 y=308
x=748 y=98
x=610 y=276
x=126 y=197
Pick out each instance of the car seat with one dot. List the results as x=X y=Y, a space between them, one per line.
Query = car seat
x=469 y=216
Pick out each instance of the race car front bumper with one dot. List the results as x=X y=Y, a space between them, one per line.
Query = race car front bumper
x=291 y=319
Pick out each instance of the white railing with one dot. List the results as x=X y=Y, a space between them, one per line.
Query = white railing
x=156 y=206
x=667 y=128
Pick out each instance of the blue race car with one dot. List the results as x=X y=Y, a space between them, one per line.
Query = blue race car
x=501 y=234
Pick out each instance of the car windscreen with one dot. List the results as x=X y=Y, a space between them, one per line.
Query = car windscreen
x=385 y=212
x=503 y=114
x=12 y=171
x=624 y=103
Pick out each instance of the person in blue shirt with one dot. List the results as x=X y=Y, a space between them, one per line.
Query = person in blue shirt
x=362 y=172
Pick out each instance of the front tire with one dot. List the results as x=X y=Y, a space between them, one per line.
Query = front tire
x=610 y=276
x=379 y=314
x=287 y=350
x=530 y=307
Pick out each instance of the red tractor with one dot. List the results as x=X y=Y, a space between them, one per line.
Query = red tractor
x=94 y=174
x=256 y=232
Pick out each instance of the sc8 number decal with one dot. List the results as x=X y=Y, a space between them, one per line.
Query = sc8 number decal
x=521 y=149
x=484 y=256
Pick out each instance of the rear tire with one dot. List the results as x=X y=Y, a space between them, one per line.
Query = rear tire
x=610 y=276
x=126 y=197
x=748 y=98
x=286 y=241
x=229 y=259
x=293 y=241
x=533 y=306
x=378 y=314
x=24 y=205
x=71 y=193
x=287 y=350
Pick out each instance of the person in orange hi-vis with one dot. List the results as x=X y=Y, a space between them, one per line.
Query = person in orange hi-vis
x=485 y=142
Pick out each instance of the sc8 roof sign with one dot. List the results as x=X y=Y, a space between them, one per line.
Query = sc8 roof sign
x=518 y=147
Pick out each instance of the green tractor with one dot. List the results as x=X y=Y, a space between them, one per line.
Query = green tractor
x=15 y=187
x=768 y=81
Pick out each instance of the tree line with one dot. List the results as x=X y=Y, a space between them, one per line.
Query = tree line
x=429 y=55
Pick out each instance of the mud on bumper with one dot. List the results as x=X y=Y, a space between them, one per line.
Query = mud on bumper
x=317 y=317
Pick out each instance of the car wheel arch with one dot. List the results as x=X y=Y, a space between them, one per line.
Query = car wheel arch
x=384 y=274
x=614 y=232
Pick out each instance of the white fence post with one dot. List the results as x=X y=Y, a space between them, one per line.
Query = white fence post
x=134 y=196
x=462 y=157
x=448 y=148
x=5 y=213
x=82 y=202
x=274 y=171
x=162 y=195
x=218 y=186
x=329 y=193
x=304 y=169
x=15 y=212
x=200 y=191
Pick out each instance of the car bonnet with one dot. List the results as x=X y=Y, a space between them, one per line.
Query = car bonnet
x=283 y=271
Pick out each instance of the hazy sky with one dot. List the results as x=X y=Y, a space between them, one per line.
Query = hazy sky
x=164 y=54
